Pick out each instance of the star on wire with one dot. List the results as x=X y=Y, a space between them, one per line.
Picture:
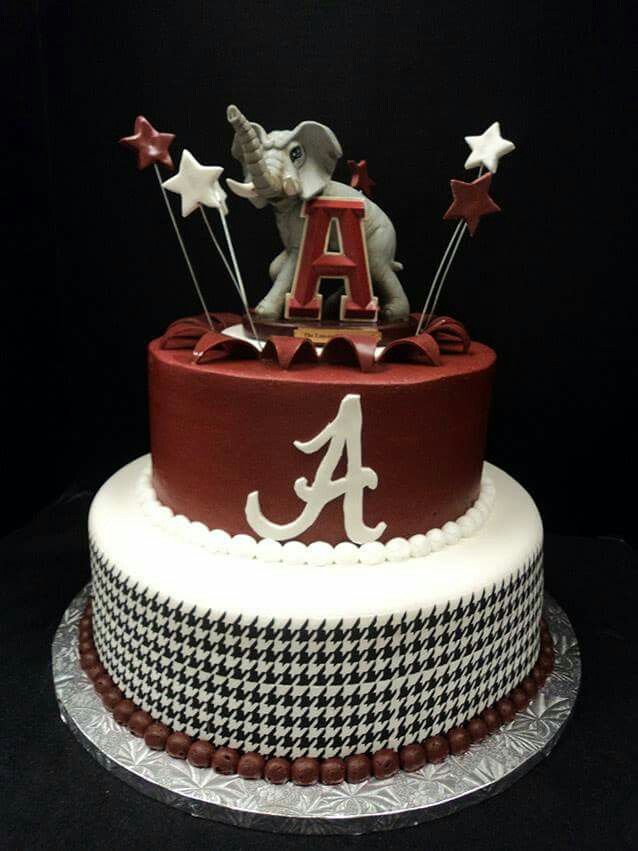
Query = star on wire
x=471 y=201
x=197 y=184
x=151 y=145
x=360 y=178
x=488 y=148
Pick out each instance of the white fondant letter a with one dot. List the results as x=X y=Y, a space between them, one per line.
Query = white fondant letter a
x=343 y=432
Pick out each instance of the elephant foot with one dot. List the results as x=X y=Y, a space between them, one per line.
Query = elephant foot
x=269 y=309
x=396 y=309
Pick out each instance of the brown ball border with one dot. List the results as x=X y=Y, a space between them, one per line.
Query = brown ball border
x=306 y=771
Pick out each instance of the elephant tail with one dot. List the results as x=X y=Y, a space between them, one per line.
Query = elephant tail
x=398 y=267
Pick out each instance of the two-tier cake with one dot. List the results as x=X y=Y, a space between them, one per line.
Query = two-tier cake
x=315 y=576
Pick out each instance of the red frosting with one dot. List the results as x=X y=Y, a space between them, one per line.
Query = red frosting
x=223 y=429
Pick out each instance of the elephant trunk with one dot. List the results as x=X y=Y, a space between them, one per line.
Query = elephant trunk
x=266 y=183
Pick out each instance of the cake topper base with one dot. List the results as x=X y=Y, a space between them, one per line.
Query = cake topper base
x=406 y=799
x=323 y=330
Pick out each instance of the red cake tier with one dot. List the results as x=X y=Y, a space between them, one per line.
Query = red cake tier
x=224 y=429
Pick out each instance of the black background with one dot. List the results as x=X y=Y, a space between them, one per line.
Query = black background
x=91 y=271
x=98 y=272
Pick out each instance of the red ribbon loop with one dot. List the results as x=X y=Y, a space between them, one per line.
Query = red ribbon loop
x=215 y=346
x=356 y=351
x=185 y=332
x=288 y=351
x=420 y=349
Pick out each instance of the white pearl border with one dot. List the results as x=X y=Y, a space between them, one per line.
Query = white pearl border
x=319 y=552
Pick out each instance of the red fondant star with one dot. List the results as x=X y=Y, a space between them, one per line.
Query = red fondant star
x=471 y=201
x=360 y=178
x=151 y=145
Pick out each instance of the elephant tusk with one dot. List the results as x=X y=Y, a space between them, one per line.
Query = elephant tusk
x=291 y=186
x=244 y=190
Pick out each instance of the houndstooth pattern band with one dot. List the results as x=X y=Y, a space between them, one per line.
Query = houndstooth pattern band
x=316 y=690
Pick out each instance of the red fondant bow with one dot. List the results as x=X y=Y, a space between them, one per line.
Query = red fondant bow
x=215 y=346
x=288 y=351
x=184 y=333
x=442 y=334
x=449 y=333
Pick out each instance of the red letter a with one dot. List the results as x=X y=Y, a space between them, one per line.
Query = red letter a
x=315 y=261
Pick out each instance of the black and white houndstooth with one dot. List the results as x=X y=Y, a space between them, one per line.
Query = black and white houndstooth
x=325 y=690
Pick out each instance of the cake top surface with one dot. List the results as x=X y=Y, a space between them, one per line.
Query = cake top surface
x=479 y=357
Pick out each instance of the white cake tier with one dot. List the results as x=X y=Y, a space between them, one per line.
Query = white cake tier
x=314 y=660
x=149 y=554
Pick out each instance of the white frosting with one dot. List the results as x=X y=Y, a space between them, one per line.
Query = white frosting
x=230 y=577
x=219 y=542
x=242 y=546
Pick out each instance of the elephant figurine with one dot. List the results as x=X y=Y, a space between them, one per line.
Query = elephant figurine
x=285 y=168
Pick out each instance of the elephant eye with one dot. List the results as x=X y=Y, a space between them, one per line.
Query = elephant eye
x=296 y=154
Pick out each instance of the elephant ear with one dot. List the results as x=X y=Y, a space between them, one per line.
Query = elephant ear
x=236 y=151
x=322 y=152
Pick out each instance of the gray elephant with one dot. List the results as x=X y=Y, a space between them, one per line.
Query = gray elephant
x=284 y=168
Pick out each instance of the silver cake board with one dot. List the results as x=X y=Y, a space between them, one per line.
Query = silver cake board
x=406 y=799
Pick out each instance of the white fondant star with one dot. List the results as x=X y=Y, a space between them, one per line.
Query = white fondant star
x=488 y=148
x=197 y=184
